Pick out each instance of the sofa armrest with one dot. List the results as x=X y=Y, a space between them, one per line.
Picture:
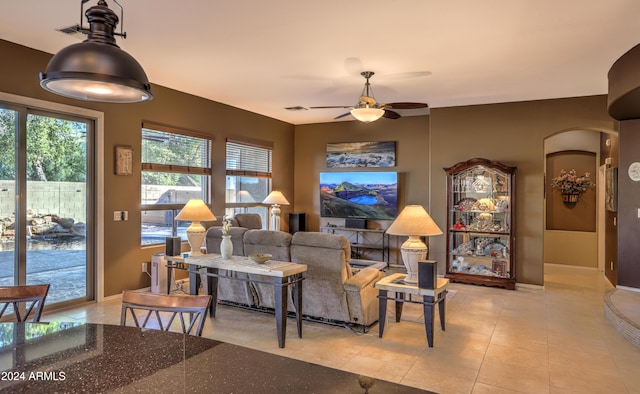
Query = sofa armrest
x=364 y=277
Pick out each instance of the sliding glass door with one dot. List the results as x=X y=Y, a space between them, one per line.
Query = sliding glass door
x=45 y=187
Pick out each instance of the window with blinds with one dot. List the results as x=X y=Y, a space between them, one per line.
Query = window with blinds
x=176 y=167
x=248 y=178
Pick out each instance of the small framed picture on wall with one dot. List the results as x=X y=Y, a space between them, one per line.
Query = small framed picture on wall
x=123 y=160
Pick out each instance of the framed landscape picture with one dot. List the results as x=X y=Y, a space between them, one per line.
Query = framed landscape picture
x=361 y=154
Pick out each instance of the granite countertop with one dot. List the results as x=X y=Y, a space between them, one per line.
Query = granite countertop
x=79 y=357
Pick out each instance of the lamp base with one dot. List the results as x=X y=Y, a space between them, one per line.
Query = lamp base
x=195 y=236
x=413 y=250
x=274 y=223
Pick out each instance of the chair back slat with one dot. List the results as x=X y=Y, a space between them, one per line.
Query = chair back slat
x=31 y=296
x=169 y=306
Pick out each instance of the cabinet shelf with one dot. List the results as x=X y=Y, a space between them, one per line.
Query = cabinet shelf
x=480 y=232
x=480 y=203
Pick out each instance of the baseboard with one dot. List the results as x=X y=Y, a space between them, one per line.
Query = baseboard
x=632 y=289
x=529 y=286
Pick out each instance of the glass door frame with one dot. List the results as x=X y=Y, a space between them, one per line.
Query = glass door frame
x=95 y=185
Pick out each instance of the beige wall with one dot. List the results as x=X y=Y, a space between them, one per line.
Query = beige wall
x=575 y=248
x=122 y=252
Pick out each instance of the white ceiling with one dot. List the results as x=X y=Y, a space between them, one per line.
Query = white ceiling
x=263 y=56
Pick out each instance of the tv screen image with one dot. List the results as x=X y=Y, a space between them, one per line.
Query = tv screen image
x=367 y=195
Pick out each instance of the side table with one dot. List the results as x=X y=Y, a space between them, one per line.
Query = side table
x=430 y=297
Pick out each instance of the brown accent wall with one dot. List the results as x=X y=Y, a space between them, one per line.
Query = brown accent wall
x=628 y=272
x=412 y=163
x=123 y=254
x=610 y=151
x=512 y=133
x=582 y=215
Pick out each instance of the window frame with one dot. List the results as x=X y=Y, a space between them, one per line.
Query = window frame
x=176 y=169
x=249 y=173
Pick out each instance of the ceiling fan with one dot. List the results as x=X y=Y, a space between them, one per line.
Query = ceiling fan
x=369 y=110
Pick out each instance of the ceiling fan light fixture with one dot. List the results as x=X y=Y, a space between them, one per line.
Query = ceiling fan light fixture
x=367 y=114
x=97 y=69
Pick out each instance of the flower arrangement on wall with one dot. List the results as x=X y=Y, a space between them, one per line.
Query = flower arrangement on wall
x=571 y=183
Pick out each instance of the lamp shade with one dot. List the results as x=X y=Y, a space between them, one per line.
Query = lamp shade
x=414 y=220
x=276 y=197
x=367 y=114
x=194 y=211
x=97 y=69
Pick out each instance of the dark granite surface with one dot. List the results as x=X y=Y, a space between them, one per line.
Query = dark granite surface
x=93 y=358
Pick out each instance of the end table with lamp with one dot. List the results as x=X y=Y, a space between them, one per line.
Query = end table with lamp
x=429 y=299
x=414 y=222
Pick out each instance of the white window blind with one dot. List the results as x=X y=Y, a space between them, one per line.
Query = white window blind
x=248 y=160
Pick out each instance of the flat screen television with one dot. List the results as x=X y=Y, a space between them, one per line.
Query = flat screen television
x=366 y=195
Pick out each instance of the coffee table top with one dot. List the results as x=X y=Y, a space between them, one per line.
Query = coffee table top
x=395 y=282
x=242 y=264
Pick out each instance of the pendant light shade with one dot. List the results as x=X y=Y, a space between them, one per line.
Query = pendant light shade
x=97 y=69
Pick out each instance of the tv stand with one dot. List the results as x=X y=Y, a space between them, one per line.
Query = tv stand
x=370 y=245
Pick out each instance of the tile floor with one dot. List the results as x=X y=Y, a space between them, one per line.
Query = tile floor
x=531 y=340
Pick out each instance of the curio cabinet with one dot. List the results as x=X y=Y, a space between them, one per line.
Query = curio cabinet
x=480 y=227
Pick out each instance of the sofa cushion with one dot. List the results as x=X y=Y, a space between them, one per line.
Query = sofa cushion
x=326 y=258
x=252 y=221
x=276 y=243
x=321 y=240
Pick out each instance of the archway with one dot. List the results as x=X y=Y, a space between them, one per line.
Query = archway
x=581 y=234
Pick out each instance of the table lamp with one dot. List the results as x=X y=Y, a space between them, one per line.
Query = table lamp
x=414 y=222
x=195 y=211
x=275 y=198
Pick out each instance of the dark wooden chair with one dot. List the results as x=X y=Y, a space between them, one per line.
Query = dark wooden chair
x=31 y=296
x=163 y=307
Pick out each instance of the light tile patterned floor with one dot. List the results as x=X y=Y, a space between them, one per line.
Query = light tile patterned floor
x=554 y=340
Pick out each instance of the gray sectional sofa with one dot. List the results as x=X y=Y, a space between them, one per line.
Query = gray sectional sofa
x=331 y=291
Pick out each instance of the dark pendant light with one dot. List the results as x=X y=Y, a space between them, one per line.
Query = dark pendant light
x=97 y=69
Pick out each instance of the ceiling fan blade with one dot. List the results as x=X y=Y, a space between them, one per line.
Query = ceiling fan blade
x=406 y=105
x=405 y=75
x=391 y=115
x=336 y=106
x=343 y=115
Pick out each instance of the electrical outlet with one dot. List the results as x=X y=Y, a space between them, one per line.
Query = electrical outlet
x=117 y=216
x=125 y=215
x=144 y=267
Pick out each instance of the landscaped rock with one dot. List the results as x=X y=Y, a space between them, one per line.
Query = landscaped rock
x=43 y=226
x=64 y=222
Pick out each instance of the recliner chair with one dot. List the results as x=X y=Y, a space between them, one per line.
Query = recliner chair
x=330 y=290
